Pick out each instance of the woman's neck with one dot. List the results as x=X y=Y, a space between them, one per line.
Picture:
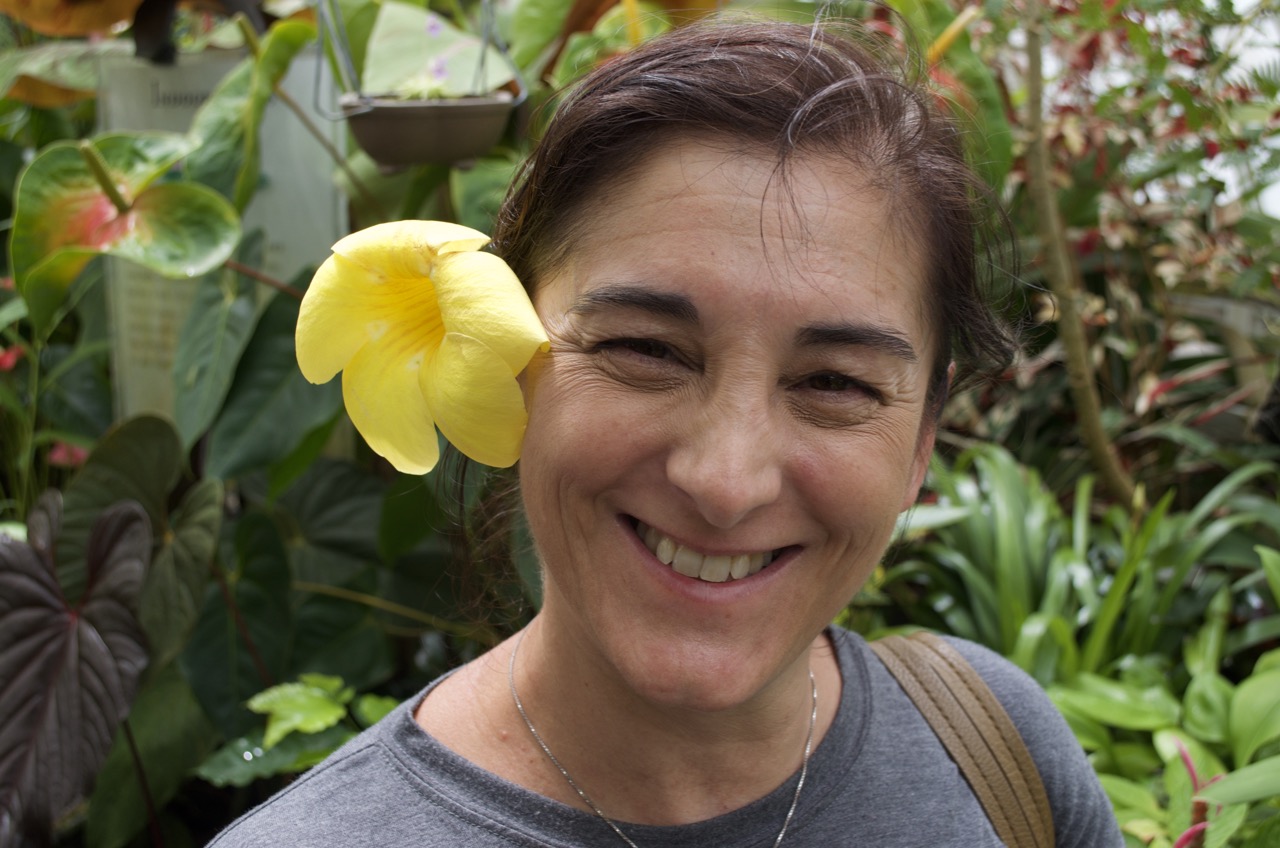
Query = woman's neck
x=659 y=763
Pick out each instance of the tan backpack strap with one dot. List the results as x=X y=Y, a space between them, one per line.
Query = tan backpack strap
x=977 y=733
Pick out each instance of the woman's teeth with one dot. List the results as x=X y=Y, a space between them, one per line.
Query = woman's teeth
x=690 y=563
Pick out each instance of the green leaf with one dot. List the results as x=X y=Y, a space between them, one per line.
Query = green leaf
x=63 y=218
x=1118 y=704
x=336 y=507
x=1268 y=661
x=221 y=129
x=75 y=392
x=174 y=590
x=1179 y=784
x=173 y=737
x=230 y=122
x=246 y=759
x=218 y=326
x=283 y=474
x=479 y=190
x=1255 y=714
x=418 y=53
x=1130 y=795
x=1223 y=824
x=12 y=311
x=302 y=706
x=341 y=638
x=1255 y=782
x=69 y=64
x=270 y=407
x=535 y=24
x=139 y=461
x=236 y=651
x=1271 y=567
x=410 y=514
x=1265 y=834
x=371 y=709
x=1205 y=706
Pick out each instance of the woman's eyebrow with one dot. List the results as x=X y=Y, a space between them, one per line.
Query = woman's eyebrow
x=885 y=339
x=665 y=304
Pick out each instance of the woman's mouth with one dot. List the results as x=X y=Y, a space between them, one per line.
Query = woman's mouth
x=713 y=568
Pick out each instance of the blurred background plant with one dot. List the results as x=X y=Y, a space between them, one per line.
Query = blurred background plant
x=1106 y=515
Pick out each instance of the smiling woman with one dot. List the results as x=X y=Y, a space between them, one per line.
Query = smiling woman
x=753 y=251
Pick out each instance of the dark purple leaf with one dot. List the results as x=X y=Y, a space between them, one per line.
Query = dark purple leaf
x=68 y=675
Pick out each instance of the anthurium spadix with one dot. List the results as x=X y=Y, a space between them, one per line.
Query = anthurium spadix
x=79 y=199
x=427 y=329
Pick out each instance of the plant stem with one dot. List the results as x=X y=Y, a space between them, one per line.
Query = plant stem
x=1064 y=282
x=257 y=276
x=102 y=174
x=242 y=628
x=249 y=34
x=477 y=631
x=153 y=823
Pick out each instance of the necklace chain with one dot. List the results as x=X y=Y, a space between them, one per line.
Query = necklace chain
x=586 y=799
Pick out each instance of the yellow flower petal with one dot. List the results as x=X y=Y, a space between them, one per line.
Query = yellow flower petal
x=407 y=248
x=481 y=297
x=333 y=319
x=380 y=389
x=475 y=399
x=422 y=322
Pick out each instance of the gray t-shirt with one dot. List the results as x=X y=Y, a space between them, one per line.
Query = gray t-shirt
x=880 y=778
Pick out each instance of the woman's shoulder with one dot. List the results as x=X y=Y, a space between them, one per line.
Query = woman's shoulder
x=1081 y=810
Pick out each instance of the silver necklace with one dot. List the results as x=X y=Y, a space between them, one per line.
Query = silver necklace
x=795 y=799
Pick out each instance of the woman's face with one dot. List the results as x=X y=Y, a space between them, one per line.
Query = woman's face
x=737 y=377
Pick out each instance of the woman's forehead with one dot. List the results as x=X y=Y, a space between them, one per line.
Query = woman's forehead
x=730 y=231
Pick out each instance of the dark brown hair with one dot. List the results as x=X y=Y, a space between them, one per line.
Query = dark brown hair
x=786 y=90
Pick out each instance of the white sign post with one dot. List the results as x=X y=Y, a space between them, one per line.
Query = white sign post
x=297 y=206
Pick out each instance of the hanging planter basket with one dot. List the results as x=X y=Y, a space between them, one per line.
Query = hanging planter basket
x=410 y=132
x=445 y=96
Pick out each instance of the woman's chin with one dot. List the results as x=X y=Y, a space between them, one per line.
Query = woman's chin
x=703 y=678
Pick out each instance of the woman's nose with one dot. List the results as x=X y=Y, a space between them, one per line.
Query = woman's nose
x=728 y=460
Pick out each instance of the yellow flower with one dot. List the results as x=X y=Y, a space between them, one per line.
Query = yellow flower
x=427 y=330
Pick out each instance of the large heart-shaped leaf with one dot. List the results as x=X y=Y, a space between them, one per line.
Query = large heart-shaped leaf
x=215 y=334
x=180 y=569
x=271 y=407
x=70 y=671
x=64 y=216
x=335 y=507
x=139 y=460
x=240 y=644
x=228 y=124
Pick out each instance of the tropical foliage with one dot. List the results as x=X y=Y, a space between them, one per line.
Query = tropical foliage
x=245 y=584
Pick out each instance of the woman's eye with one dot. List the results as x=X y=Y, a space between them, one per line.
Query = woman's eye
x=642 y=347
x=833 y=383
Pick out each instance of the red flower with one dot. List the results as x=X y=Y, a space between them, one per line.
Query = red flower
x=9 y=357
x=63 y=455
